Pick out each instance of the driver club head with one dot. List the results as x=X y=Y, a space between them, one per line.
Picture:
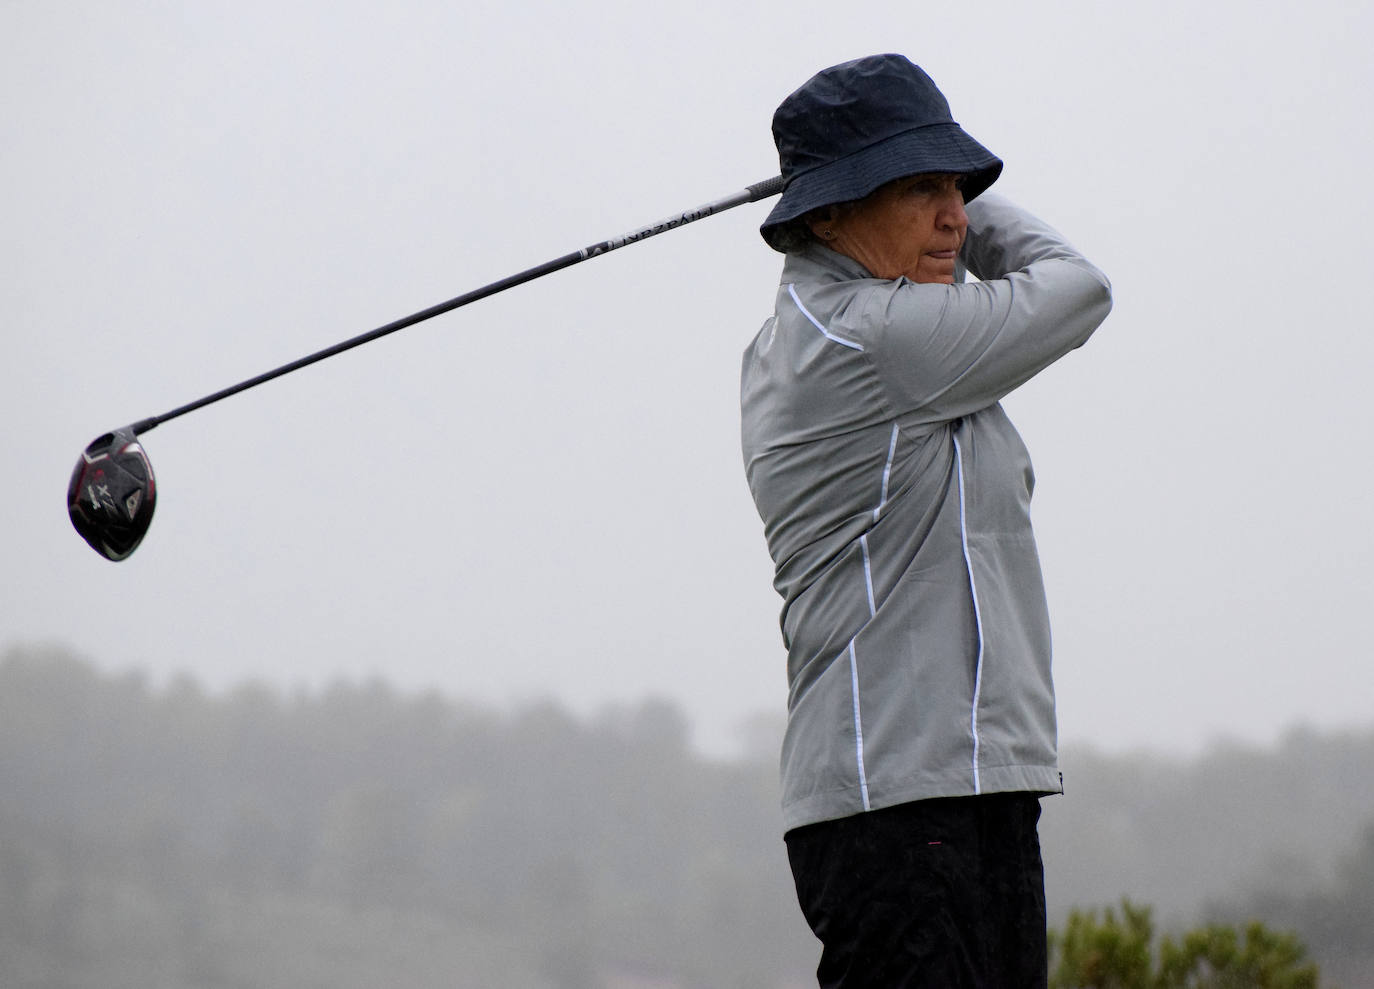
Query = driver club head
x=111 y=495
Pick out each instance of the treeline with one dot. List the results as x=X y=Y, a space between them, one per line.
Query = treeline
x=359 y=837
x=363 y=838
x=1236 y=820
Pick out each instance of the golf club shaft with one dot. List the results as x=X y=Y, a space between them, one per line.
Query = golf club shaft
x=760 y=190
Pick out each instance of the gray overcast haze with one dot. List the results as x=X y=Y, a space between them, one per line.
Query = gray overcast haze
x=542 y=494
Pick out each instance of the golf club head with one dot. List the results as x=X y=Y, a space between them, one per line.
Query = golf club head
x=111 y=495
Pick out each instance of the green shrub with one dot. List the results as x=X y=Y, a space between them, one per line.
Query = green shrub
x=1119 y=951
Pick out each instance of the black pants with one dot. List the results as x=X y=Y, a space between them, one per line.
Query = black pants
x=944 y=894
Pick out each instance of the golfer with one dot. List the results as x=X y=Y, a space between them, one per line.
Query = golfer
x=895 y=497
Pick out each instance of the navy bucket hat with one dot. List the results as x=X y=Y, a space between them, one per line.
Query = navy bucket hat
x=856 y=126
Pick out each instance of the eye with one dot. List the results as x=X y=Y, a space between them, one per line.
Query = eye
x=936 y=185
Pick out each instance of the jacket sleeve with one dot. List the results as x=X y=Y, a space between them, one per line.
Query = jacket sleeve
x=950 y=350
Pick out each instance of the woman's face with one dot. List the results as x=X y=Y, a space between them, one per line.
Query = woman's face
x=913 y=227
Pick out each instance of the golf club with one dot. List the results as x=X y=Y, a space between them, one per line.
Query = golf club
x=111 y=495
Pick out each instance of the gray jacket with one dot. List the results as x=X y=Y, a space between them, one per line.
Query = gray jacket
x=895 y=497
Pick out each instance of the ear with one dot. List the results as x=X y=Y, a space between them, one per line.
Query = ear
x=822 y=221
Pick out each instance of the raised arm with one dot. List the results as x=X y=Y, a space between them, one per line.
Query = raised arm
x=949 y=350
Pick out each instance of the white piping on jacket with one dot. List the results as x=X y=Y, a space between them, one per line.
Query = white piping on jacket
x=872 y=610
x=858 y=724
x=887 y=472
x=792 y=291
x=868 y=575
x=977 y=612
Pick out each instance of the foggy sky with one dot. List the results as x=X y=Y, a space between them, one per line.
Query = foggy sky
x=542 y=494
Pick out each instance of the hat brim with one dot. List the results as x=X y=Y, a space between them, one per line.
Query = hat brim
x=942 y=148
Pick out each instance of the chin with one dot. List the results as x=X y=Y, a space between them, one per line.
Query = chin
x=933 y=274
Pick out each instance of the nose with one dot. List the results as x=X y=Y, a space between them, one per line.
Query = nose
x=952 y=215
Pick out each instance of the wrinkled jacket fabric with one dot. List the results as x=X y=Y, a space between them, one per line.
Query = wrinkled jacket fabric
x=895 y=497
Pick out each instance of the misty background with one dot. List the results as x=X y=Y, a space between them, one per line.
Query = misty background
x=539 y=499
x=359 y=837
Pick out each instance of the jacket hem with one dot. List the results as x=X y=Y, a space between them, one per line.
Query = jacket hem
x=846 y=802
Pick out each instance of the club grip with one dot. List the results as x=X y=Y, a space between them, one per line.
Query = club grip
x=764 y=189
